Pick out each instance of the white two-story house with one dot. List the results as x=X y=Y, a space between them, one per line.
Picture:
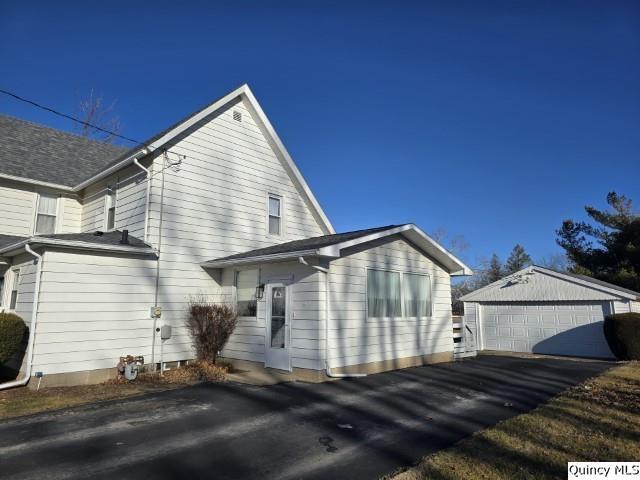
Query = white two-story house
x=92 y=236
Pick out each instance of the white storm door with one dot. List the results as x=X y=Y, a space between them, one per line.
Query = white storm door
x=278 y=328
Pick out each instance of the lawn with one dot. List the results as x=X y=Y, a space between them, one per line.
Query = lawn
x=598 y=420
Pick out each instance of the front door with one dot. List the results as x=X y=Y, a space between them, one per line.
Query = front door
x=277 y=352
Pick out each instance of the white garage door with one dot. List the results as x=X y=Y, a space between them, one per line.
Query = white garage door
x=558 y=329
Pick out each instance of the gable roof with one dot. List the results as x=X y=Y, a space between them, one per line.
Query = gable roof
x=102 y=241
x=84 y=172
x=50 y=156
x=537 y=283
x=331 y=246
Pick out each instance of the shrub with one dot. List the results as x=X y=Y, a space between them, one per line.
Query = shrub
x=12 y=329
x=210 y=326
x=622 y=332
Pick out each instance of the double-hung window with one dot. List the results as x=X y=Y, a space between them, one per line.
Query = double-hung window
x=275 y=214
x=13 y=300
x=398 y=295
x=246 y=283
x=110 y=209
x=46 y=213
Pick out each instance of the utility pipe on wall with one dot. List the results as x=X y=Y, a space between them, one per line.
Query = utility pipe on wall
x=32 y=326
x=327 y=309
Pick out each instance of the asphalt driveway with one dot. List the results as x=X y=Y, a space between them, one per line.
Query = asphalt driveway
x=354 y=428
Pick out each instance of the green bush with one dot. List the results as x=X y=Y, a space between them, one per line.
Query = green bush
x=622 y=332
x=12 y=329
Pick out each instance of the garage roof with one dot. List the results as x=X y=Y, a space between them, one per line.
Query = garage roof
x=541 y=284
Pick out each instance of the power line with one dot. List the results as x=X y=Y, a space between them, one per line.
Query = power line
x=69 y=117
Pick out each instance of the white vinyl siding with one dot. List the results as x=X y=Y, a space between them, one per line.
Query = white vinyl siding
x=93 y=309
x=215 y=204
x=71 y=213
x=356 y=339
x=17 y=209
x=130 y=184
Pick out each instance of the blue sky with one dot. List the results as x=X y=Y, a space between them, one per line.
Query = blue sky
x=493 y=120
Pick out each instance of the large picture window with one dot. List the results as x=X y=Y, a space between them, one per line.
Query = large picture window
x=383 y=294
x=246 y=283
x=47 y=211
x=417 y=295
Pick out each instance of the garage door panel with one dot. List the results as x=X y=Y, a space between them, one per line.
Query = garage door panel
x=558 y=329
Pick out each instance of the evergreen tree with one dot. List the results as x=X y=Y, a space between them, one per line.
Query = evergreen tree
x=518 y=259
x=609 y=251
x=495 y=271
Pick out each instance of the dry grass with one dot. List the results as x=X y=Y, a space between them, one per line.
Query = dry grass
x=598 y=420
x=23 y=401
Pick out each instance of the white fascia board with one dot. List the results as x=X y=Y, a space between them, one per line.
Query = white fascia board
x=36 y=182
x=76 y=245
x=441 y=253
x=126 y=161
x=275 y=257
x=287 y=158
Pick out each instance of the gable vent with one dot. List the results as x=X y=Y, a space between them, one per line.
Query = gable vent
x=237 y=116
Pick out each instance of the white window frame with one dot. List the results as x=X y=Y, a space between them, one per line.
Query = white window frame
x=280 y=198
x=36 y=213
x=236 y=273
x=402 y=317
x=3 y=289
x=108 y=206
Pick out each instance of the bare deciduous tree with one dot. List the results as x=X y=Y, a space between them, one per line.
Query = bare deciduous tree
x=95 y=112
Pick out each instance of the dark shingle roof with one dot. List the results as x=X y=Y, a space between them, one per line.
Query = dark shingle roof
x=99 y=238
x=308 y=243
x=6 y=240
x=41 y=153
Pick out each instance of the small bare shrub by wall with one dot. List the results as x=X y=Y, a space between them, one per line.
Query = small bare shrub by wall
x=12 y=329
x=210 y=325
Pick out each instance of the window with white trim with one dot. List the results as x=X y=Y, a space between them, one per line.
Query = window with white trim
x=246 y=301
x=46 y=213
x=384 y=295
x=110 y=209
x=1 y=291
x=275 y=214
x=417 y=295
x=13 y=300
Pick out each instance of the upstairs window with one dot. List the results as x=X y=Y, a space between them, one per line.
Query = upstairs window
x=14 y=290
x=383 y=294
x=246 y=283
x=110 y=209
x=275 y=215
x=46 y=213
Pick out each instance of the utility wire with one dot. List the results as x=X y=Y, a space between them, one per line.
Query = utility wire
x=69 y=117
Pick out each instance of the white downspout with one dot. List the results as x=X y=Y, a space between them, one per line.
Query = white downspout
x=327 y=309
x=148 y=195
x=32 y=327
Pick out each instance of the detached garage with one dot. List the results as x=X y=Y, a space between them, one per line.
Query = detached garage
x=537 y=310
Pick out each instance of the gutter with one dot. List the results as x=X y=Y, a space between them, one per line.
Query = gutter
x=32 y=326
x=274 y=257
x=76 y=245
x=327 y=309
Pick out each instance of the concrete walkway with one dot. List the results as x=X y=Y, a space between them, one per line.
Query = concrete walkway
x=355 y=428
